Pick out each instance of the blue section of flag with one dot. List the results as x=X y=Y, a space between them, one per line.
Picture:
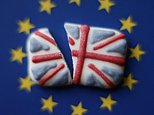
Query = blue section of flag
x=18 y=102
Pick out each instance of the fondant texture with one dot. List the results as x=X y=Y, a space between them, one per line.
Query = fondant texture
x=98 y=55
x=46 y=65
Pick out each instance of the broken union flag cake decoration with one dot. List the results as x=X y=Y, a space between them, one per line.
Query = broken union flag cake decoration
x=76 y=57
x=46 y=63
x=98 y=57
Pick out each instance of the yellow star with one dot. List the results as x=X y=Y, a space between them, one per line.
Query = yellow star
x=48 y=104
x=107 y=102
x=26 y=83
x=129 y=81
x=46 y=5
x=25 y=26
x=78 y=2
x=17 y=55
x=106 y=4
x=128 y=24
x=136 y=52
x=78 y=110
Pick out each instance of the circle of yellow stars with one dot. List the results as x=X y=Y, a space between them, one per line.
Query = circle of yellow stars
x=25 y=26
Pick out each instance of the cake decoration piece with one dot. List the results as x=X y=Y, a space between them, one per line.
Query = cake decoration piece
x=73 y=30
x=119 y=47
x=108 y=42
x=63 y=80
x=35 y=45
x=115 y=73
x=38 y=72
x=101 y=75
x=46 y=65
x=93 y=81
x=98 y=55
x=98 y=35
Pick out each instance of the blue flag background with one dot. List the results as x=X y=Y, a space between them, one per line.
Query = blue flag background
x=139 y=101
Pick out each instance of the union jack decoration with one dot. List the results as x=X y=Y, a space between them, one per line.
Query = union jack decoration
x=47 y=66
x=98 y=55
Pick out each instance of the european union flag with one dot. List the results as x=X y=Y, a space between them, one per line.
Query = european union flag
x=20 y=96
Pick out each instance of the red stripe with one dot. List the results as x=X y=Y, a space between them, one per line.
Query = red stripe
x=112 y=59
x=75 y=53
x=101 y=74
x=46 y=57
x=50 y=75
x=84 y=30
x=71 y=41
x=99 y=46
x=49 y=39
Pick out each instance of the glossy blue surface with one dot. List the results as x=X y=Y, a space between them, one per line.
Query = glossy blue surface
x=16 y=102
